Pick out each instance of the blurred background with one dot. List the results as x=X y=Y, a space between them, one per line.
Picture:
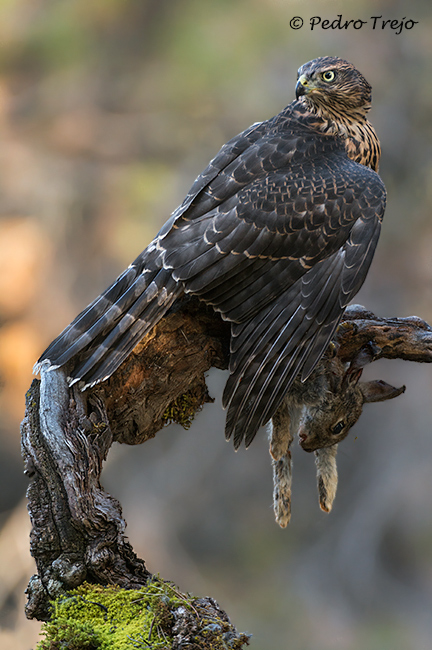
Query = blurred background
x=108 y=111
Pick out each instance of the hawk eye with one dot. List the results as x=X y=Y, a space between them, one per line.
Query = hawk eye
x=337 y=429
x=328 y=76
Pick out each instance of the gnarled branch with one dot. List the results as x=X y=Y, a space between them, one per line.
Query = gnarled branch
x=78 y=529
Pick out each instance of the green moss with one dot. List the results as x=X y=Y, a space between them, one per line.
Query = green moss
x=182 y=410
x=96 y=617
x=93 y=617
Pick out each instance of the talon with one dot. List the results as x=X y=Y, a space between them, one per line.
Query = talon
x=375 y=349
x=332 y=349
x=346 y=326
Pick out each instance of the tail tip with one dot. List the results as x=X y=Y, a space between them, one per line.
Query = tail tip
x=45 y=365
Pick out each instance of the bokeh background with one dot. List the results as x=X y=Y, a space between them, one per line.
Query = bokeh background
x=108 y=111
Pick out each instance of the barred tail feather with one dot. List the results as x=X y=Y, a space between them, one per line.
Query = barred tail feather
x=60 y=350
x=128 y=332
x=104 y=333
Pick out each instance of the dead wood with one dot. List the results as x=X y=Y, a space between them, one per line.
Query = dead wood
x=78 y=531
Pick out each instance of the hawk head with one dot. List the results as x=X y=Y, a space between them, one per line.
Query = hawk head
x=332 y=86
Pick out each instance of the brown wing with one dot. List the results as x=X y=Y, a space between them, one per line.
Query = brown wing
x=281 y=259
x=277 y=234
x=106 y=331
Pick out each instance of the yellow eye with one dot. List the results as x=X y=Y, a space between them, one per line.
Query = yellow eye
x=329 y=75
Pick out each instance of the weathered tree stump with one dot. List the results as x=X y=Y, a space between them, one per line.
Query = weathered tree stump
x=78 y=529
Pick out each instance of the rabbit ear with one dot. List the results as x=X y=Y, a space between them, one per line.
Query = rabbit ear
x=379 y=391
x=327 y=476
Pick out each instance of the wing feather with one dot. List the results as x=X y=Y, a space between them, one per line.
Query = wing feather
x=268 y=352
x=258 y=366
x=277 y=234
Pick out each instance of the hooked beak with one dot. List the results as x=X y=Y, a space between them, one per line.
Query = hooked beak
x=302 y=86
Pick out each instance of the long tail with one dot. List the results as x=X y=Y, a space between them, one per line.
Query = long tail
x=104 y=334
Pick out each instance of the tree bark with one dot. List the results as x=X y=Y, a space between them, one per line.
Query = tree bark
x=78 y=532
